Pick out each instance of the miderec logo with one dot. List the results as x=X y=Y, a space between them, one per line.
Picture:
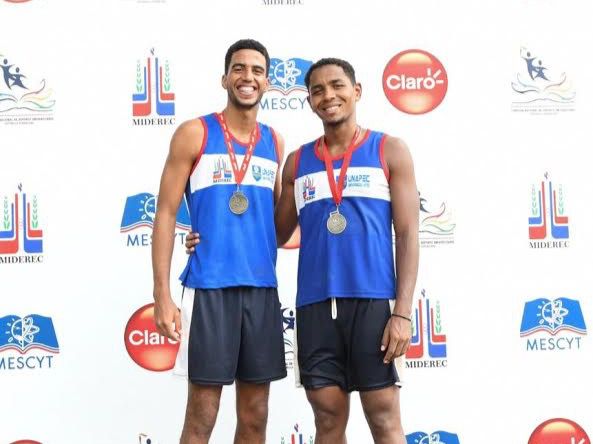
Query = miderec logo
x=145 y=345
x=415 y=81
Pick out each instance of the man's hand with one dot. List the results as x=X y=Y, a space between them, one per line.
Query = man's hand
x=396 y=338
x=191 y=240
x=167 y=318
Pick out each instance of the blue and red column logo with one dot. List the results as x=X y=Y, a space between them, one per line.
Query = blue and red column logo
x=153 y=102
x=21 y=236
x=428 y=346
x=297 y=437
x=548 y=221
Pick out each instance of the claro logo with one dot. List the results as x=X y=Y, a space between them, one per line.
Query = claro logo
x=146 y=347
x=415 y=81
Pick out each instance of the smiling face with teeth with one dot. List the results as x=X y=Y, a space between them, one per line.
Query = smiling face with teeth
x=246 y=79
x=333 y=95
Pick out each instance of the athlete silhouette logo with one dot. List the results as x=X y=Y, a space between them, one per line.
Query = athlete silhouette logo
x=534 y=70
x=15 y=77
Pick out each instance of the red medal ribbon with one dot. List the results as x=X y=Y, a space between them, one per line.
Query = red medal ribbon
x=239 y=173
x=338 y=189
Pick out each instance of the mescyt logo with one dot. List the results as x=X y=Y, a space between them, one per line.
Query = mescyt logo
x=27 y=341
x=557 y=324
x=438 y=437
x=138 y=217
x=287 y=89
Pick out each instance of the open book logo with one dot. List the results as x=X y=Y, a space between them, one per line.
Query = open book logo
x=140 y=211
x=29 y=332
x=288 y=75
x=438 y=437
x=552 y=316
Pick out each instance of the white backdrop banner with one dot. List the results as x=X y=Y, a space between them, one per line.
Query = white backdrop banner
x=495 y=102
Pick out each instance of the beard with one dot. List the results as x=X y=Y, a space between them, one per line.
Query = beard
x=242 y=105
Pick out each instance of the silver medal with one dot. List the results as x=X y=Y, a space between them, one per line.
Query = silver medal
x=336 y=223
x=238 y=203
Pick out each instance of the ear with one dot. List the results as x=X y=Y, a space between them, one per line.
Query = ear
x=223 y=81
x=358 y=91
x=309 y=101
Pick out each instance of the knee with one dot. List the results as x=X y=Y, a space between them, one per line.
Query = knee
x=253 y=415
x=328 y=419
x=384 y=421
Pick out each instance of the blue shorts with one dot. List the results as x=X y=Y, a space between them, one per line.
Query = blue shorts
x=230 y=334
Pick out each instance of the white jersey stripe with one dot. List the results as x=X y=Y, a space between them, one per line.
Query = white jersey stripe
x=216 y=169
x=361 y=182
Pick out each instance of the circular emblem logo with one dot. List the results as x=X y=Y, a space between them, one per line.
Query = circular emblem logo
x=415 y=81
x=146 y=347
x=19 y=1
x=25 y=441
x=559 y=430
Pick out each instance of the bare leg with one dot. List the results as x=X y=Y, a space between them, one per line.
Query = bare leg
x=252 y=412
x=331 y=406
x=381 y=409
x=200 y=415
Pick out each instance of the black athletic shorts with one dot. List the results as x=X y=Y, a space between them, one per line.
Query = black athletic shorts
x=231 y=333
x=345 y=351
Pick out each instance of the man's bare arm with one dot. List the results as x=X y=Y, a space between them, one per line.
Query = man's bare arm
x=405 y=209
x=285 y=215
x=184 y=149
x=278 y=184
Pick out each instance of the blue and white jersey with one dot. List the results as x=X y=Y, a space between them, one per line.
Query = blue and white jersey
x=358 y=262
x=234 y=250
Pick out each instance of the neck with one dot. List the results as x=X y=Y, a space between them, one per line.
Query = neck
x=240 y=122
x=339 y=137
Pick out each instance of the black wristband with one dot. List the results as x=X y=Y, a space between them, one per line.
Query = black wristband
x=401 y=316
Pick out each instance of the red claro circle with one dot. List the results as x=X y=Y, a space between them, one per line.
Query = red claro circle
x=147 y=348
x=20 y=1
x=559 y=431
x=25 y=441
x=415 y=81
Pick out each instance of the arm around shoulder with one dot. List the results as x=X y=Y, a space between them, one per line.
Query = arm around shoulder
x=285 y=216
